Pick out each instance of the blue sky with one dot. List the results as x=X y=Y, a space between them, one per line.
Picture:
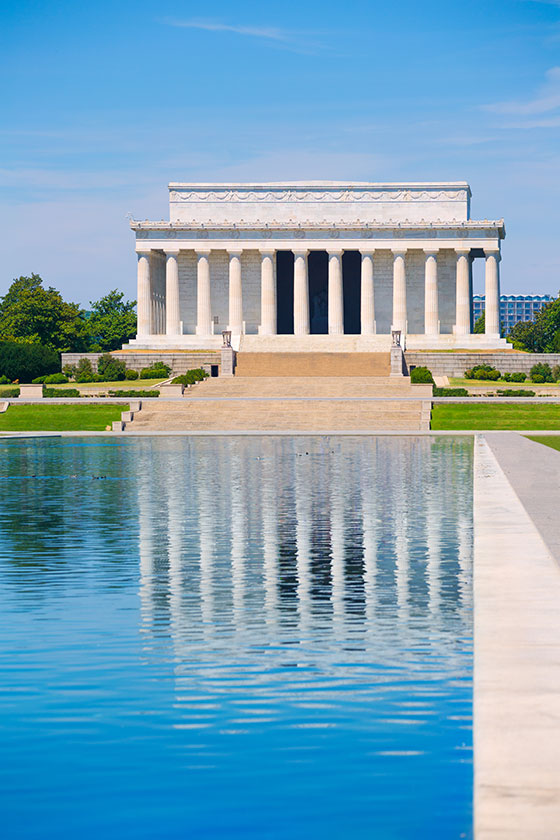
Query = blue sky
x=104 y=103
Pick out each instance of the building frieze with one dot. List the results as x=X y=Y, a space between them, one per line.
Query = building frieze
x=345 y=195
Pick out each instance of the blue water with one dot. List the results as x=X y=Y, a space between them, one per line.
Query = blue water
x=248 y=638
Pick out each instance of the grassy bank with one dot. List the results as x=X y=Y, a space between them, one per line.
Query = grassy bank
x=59 y=418
x=553 y=441
x=488 y=385
x=462 y=416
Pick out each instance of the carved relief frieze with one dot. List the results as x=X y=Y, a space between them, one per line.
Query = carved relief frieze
x=316 y=196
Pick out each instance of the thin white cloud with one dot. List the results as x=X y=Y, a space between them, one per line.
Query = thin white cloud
x=546 y=100
x=304 y=43
x=269 y=32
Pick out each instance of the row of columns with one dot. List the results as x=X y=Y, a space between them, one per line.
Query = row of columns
x=335 y=293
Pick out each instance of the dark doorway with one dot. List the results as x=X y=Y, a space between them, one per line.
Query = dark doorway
x=285 y=292
x=214 y=370
x=318 y=274
x=352 y=273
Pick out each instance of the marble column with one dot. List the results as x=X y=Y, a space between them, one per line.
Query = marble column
x=367 y=305
x=235 y=293
x=301 y=294
x=172 y=311
x=492 y=293
x=336 y=298
x=203 y=306
x=399 y=291
x=144 y=295
x=268 y=293
x=463 y=294
x=431 y=304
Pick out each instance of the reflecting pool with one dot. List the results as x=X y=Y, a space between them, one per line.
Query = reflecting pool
x=236 y=637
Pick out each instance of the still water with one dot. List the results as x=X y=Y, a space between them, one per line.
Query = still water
x=247 y=637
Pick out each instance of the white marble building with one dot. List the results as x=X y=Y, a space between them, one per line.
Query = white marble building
x=281 y=263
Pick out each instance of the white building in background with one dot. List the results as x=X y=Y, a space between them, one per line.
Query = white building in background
x=513 y=308
x=280 y=263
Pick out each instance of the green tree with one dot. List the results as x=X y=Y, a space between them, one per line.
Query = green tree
x=480 y=324
x=33 y=314
x=541 y=335
x=112 y=322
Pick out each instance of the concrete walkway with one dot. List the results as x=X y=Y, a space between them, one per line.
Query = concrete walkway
x=516 y=639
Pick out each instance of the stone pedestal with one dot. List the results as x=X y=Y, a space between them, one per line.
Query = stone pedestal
x=31 y=392
x=171 y=390
x=228 y=361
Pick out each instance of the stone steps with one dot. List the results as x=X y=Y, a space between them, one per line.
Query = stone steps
x=312 y=364
x=301 y=386
x=279 y=415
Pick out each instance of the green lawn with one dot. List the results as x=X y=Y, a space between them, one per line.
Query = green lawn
x=461 y=382
x=462 y=416
x=59 y=418
x=553 y=441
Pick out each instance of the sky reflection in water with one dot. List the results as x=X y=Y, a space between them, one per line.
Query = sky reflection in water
x=247 y=637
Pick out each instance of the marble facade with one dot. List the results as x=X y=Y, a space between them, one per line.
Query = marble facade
x=279 y=263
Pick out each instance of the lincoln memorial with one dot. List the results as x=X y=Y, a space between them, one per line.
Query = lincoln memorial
x=279 y=264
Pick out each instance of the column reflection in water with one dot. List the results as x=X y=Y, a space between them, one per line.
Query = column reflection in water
x=318 y=599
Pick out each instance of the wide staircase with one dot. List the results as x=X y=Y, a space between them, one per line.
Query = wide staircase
x=317 y=403
x=313 y=364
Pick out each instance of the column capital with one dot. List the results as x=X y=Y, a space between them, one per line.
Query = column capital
x=145 y=253
x=493 y=252
x=335 y=251
x=267 y=252
x=235 y=252
x=202 y=252
x=431 y=252
x=300 y=252
x=171 y=252
x=462 y=252
x=399 y=251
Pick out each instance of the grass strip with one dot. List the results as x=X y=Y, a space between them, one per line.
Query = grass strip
x=553 y=440
x=462 y=417
x=59 y=418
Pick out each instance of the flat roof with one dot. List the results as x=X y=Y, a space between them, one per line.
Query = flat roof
x=256 y=185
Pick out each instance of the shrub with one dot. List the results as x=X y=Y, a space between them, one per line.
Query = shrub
x=55 y=379
x=518 y=377
x=61 y=392
x=556 y=373
x=450 y=392
x=84 y=371
x=482 y=372
x=516 y=392
x=27 y=361
x=130 y=374
x=9 y=392
x=543 y=371
x=157 y=371
x=38 y=380
x=421 y=375
x=69 y=370
x=191 y=376
x=133 y=394
x=4 y=380
x=110 y=368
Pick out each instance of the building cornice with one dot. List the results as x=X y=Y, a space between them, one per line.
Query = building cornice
x=303 y=230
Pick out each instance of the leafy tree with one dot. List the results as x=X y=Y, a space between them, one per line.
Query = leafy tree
x=541 y=335
x=112 y=322
x=480 y=325
x=27 y=361
x=33 y=314
x=110 y=368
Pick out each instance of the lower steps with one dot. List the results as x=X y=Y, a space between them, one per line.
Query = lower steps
x=312 y=364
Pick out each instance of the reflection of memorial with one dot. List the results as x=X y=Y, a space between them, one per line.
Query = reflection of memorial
x=245 y=542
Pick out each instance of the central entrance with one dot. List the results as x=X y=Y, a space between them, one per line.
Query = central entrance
x=318 y=275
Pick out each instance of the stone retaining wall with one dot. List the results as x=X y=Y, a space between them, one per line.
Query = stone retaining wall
x=179 y=362
x=455 y=364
